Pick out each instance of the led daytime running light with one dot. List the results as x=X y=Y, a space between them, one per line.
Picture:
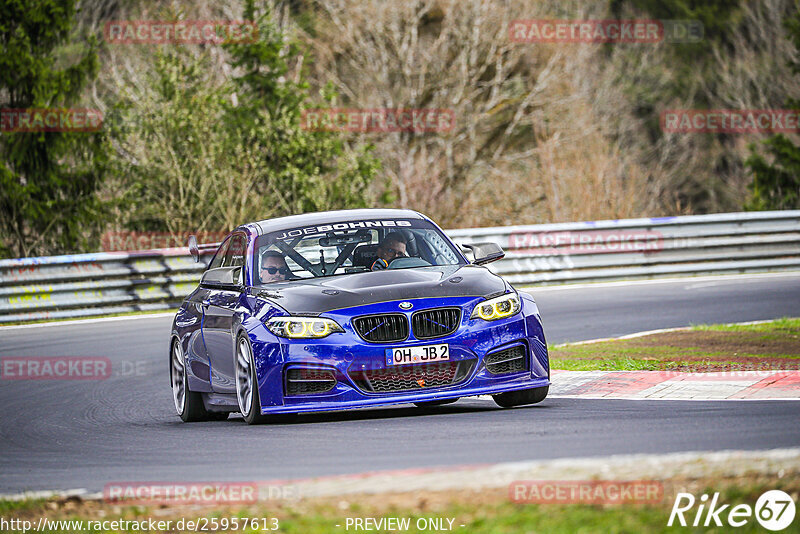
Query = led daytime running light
x=303 y=327
x=497 y=308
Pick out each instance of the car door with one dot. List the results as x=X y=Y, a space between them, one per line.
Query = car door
x=218 y=310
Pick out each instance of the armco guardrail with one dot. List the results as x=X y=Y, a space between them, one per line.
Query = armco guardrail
x=95 y=284
x=113 y=282
x=645 y=248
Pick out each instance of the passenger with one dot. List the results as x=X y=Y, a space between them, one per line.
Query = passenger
x=392 y=247
x=273 y=267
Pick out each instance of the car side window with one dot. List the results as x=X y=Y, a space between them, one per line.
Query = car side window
x=234 y=256
x=219 y=256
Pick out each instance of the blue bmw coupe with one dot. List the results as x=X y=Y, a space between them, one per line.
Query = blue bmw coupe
x=346 y=309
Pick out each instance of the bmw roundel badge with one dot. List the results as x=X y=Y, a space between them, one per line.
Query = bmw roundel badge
x=405 y=305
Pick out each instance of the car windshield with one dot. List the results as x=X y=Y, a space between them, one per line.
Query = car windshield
x=351 y=247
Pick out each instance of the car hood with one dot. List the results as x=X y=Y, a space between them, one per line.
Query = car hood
x=319 y=295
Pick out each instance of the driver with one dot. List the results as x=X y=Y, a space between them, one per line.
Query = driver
x=393 y=246
x=273 y=267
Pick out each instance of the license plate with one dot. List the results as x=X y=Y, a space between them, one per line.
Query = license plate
x=423 y=354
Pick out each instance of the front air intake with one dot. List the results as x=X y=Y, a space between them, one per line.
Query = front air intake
x=511 y=360
x=412 y=377
x=437 y=322
x=308 y=381
x=384 y=328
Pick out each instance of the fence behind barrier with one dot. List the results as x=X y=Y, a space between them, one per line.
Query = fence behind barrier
x=113 y=282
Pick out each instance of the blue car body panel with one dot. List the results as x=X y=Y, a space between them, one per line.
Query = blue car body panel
x=209 y=322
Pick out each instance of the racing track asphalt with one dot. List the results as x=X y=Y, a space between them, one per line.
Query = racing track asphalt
x=85 y=434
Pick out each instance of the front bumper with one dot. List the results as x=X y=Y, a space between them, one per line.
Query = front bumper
x=327 y=404
x=345 y=354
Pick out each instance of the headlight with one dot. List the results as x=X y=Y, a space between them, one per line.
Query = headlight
x=303 y=327
x=497 y=308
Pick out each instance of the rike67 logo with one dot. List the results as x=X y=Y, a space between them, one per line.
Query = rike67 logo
x=774 y=510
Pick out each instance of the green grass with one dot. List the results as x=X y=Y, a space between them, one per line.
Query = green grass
x=629 y=364
x=22 y=505
x=652 y=353
x=608 y=364
x=786 y=324
x=490 y=513
x=512 y=519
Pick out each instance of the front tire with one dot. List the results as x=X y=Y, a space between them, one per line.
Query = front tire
x=188 y=404
x=521 y=397
x=247 y=383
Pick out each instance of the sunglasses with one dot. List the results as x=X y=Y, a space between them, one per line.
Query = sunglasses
x=272 y=270
x=395 y=252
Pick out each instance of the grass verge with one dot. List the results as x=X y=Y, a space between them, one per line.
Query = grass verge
x=703 y=348
x=469 y=512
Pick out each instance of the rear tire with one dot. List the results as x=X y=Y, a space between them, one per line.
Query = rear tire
x=188 y=404
x=426 y=404
x=521 y=397
x=247 y=383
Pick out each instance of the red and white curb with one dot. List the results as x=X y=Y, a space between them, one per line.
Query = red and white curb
x=727 y=385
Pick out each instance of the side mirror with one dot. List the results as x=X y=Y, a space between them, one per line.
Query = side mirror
x=485 y=252
x=228 y=278
x=194 y=250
